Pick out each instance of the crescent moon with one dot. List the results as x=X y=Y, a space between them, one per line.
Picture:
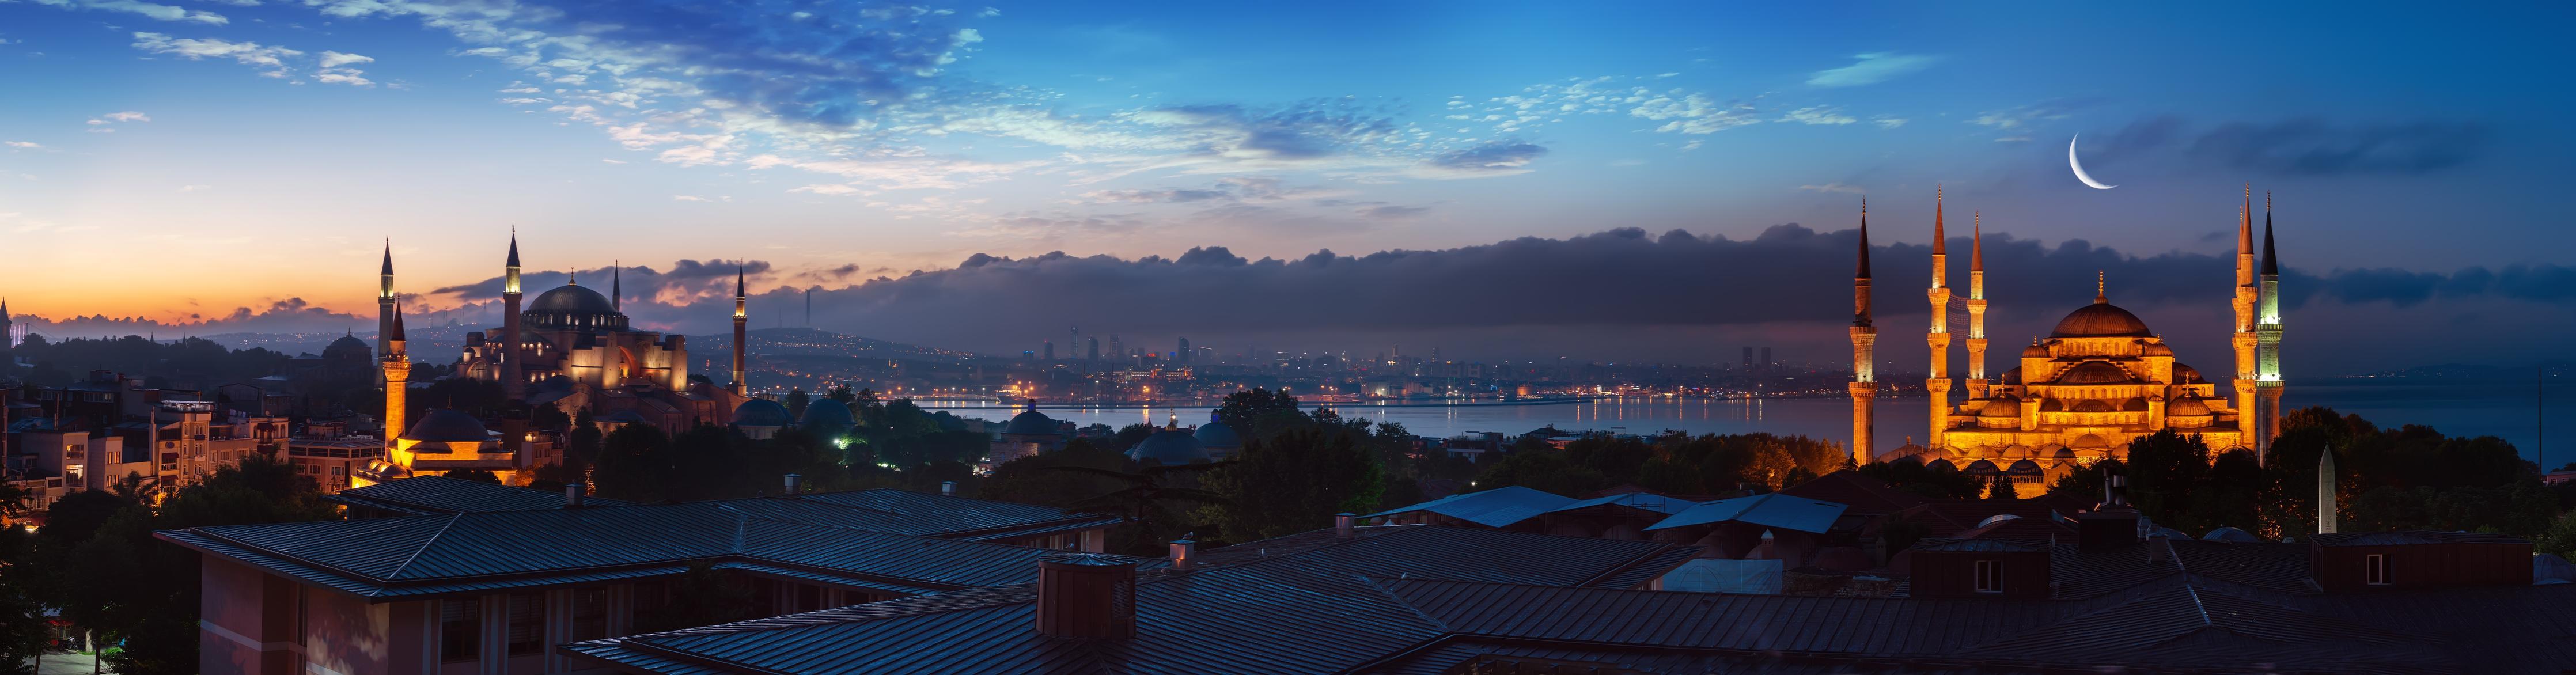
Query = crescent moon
x=2079 y=166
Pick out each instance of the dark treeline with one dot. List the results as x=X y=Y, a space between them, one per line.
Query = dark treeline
x=193 y=360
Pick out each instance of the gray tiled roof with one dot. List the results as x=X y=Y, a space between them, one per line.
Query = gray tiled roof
x=902 y=549
x=439 y=494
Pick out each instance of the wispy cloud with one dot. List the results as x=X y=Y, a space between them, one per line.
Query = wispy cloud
x=1821 y=114
x=23 y=145
x=1833 y=187
x=147 y=9
x=128 y=116
x=271 y=60
x=1872 y=68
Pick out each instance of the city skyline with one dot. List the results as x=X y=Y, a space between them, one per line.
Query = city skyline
x=1029 y=129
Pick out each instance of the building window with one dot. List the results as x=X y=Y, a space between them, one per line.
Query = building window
x=1990 y=576
x=460 y=630
x=527 y=623
x=589 y=614
x=2374 y=569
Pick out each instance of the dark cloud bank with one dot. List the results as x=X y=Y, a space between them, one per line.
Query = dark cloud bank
x=1623 y=293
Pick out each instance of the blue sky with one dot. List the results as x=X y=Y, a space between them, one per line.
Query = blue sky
x=259 y=152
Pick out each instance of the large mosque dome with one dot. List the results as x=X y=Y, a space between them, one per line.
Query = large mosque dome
x=1168 y=447
x=2100 y=319
x=573 y=307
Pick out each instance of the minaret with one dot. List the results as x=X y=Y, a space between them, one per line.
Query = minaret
x=511 y=346
x=617 y=285
x=385 y=302
x=397 y=370
x=1937 y=386
x=2326 y=492
x=1864 y=339
x=2241 y=335
x=738 y=318
x=6 y=338
x=1977 y=307
x=2267 y=341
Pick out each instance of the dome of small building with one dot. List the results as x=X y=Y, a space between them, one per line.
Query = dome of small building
x=2157 y=349
x=2001 y=409
x=1169 y=446
x=1981 y=468
x=2035 y=351
x=2100 y=319
x=347 y=344
x=2094 y=372
x=2024 y=468
x=447 y=426
x=575 y=307
x=2091 y=441
x=2187 y=406
x=761 y=412
x=827 y=416
x=1030 y=422
x=1215 y=434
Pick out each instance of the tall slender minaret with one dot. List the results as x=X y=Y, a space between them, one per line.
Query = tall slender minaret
x=396 y=364
x=2241 y=334
x=2267 y=339
x=1977 y=307
x=2326 y=521
x=7 y=339
x=1864 y=339
x=1936 y=388
x=739 y=317
x=513 y=349
x=385 y=302
x=617 y=285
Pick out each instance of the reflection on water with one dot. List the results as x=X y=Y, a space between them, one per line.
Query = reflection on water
x=2459 y=410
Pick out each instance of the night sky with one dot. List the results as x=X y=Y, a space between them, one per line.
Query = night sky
x=1599 y=180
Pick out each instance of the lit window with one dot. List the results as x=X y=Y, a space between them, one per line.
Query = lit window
x=2374 y=569
x=1990 y=576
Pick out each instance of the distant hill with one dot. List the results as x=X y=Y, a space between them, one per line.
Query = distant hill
x=812 y=342
x=2467 y=372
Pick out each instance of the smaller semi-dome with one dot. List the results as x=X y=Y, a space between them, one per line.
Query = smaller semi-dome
x=827 y=416
x=1169 y=446
x=2012 y=376
x=2187 y=406
x=1215 y=434
x=2157 y=349
x=761 y=412
x=2134 y=404
x=2052 y=405
x=2024 y=468
x=447 y=426
x=2091 y=441
x=1030 y=422
x=2001 y=409
x=2187 y=375
x=2094 y=372
x=1941 y=465
x=2091 y=405
x=2034 y=351
x=1981 y=468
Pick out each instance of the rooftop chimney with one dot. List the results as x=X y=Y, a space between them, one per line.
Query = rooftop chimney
x=795 y=484
x=1184 y=554
x=948 y=488
x=573 y=493
x=1087 y=595
x=1342 y=524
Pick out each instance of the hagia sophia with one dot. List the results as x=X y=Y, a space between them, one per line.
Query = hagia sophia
x=574 y=350
x=2099 y=380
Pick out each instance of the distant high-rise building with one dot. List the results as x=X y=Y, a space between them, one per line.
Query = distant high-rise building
x=1748 y=358
x=8 y=331
x=1093 y=353
x=1050 y=350
x=1117 y=349
x=1766 y=357
x=1182 y=354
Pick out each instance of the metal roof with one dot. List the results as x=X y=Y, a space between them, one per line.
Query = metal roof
x=1498 y=507
x=888 y=549
x=2412 y=537
x=439 y=494
x=1774 y=510
x=1645 y=501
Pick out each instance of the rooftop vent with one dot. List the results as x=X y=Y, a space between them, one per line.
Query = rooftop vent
x=1087 y=595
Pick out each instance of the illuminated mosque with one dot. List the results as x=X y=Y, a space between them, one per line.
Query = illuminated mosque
x=574 y=350
x=2097 y=381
